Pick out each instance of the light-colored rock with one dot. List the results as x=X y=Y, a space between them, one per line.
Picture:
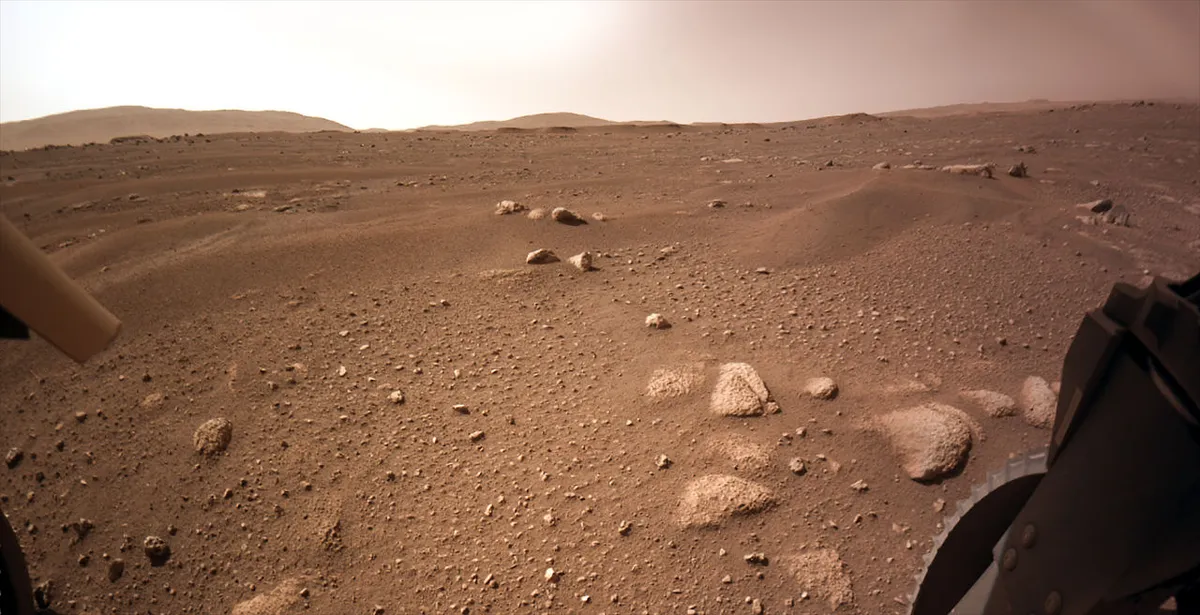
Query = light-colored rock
x=666 y=383
x=541 y=256
x=796 y=466
x=156 y=549
x=396 y=397
x=996 y=405
x=821 y=388
x=710 y=500
x=931 y=440
x=286 y=597
x=1038 y=402
x=1018 y=170
x=503 y=208
x=599 y=217
x=716 y=204
x=566 y=216
x=882 y=166
x=537 y=213
x=213 y=436
x=13 y=457
x=582 y=261
x=741 y=392
x=982 y=170
x=823 y=574
x=657 y=321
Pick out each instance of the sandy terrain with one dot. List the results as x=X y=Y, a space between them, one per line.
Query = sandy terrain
x=103 y=125
x=293 y=284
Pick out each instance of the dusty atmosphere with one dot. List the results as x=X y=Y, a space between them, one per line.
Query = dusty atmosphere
x=754 y=373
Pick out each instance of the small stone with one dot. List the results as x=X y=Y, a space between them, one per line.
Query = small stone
x=716 y=204
x=796 y=465
x=461 y=409
x=821 y=388
x=1018 y=170
x=1098 y=206
x=213 y=436
x=727 y=579
x=757 y=559
x=582 y=261
x=116 y=569
x=80 y=416
x=504 y=208
x=939 y=505
x=566 y=216
x=341 y=371
x=859 y=485
x=14 y=457
x=396 y=397
x=663 y=462
x=756 y=607
x=882 y=166
x=657 y=321
x=156 y=549
x=624 y=528
x=551 y=575
x=475 y=436
x=541 y=256
x=599 y=217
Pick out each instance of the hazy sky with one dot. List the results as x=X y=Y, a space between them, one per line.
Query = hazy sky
x=401 y=65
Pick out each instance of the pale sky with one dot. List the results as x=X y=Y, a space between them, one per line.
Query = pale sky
x=402 y=65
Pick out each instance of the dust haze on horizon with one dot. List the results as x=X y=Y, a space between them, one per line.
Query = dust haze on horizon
x=413 y=64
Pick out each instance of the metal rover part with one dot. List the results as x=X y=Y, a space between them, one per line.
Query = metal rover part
x=1113 y=526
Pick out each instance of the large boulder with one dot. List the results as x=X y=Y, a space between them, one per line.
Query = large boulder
x=931 y=440
x=1038 y=402
x=741 y=392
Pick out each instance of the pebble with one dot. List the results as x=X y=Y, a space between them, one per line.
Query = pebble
x=796 y=465
x=541 y=256
x=14 y=457
x=663 y=462
x=657 y=321
x=821 y=388
x=396 y=397
x=475 y=436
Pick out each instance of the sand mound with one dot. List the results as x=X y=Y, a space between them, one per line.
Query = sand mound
x=822 y=574
x=931 y=441
x=284 y=598
x=741 y=392
x=669 y=382
x=746 y=454
x=996 y=405
x=710 y=500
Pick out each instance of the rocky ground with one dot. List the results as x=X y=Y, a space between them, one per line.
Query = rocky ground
x=341 y=388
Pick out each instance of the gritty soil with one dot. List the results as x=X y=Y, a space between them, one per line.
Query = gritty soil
x=292 y=284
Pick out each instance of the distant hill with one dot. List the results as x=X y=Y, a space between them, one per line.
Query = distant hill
x=102 y=125
x=538 y=120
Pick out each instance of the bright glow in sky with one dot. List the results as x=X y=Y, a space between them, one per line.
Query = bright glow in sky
x=401 y=65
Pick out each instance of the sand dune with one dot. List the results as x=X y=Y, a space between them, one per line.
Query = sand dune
x=101 y=125
x=417 y=419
